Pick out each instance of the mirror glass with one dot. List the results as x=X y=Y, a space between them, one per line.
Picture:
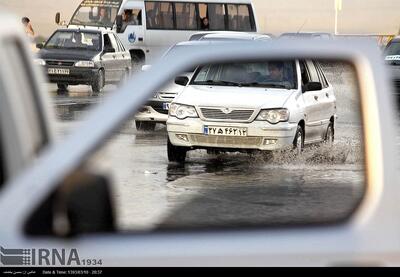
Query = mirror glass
x=240 y=146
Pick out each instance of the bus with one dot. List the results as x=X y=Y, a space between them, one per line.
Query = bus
x=148 y=28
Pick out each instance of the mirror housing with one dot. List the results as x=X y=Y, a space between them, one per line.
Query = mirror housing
x=58 y=18
x=81 y=205
x=119 y=23
x=40 y=45
x=182 y=80
x=312 y=86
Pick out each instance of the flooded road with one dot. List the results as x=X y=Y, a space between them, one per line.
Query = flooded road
x=324 y=184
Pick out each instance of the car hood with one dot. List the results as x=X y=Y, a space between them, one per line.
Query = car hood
x=234 y=97
x=63 y=54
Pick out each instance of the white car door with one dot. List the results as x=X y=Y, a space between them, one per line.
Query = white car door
x=327 y=100
x=312 y=100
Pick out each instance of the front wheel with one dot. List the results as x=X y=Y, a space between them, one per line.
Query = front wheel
x=98 y=82
x=137 y=63
x=330 y=134
x=298 y=142
x=62 y=89
x=176 y=153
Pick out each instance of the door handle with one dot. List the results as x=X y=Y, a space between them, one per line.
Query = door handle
x=140 y=39
x=316 y=97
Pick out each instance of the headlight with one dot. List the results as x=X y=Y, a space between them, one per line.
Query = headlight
x=182 y=111
x=84 y=64
x=274 y=116
x=40 y=62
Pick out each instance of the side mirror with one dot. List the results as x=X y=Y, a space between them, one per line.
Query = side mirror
x=109 y=50
x=81 y=205
x=181 y=80
x=312 y=86
x=58 y=18
x=146 y=67
x=119 y=23
x=40 y=45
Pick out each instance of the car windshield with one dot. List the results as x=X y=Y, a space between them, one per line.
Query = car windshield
x=75 y=40
x=96 y=13
x=393 y=49
x=272 y=74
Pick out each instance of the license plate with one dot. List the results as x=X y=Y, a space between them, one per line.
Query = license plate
x=58 y=71
x=166 y=106
x=225 y=131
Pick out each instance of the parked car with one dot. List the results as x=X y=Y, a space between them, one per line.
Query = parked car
x=392 y=58
x=288 y=103
x=94 y=57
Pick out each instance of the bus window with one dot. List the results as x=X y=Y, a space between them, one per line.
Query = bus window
x=239 y=18
x=159 y=15
x=186 y=16
x=215 y=13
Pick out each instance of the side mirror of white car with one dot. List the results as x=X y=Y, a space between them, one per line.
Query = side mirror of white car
x=181 y=80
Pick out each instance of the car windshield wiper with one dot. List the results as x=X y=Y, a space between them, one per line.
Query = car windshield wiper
x=52 y=47
x=263 y=85
x=274 y=86
x=76 y=47
x=219 y=83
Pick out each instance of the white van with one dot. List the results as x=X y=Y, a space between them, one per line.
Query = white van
x=148 y=28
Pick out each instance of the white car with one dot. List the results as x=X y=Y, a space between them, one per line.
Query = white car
x=253 y=105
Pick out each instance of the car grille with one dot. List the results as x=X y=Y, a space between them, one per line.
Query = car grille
x=167 y=95
x=160 y=110
x=60 y=63
x=233 y=115
x=226 y=141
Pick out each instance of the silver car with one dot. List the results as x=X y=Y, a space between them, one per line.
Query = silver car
x=265 y=105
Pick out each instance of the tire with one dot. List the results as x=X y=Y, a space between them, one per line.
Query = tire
x=176 y=153
x=62 y=89
x=298 y=142
x=145 y=126
x=330 y=134
x=98 y=82
x=137 y=63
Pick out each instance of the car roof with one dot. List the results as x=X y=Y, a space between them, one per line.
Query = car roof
x=306 y=34
x=199 y=35
x=235 y=36
x=81 y=30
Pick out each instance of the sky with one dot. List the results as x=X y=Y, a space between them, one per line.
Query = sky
x=274 y=16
